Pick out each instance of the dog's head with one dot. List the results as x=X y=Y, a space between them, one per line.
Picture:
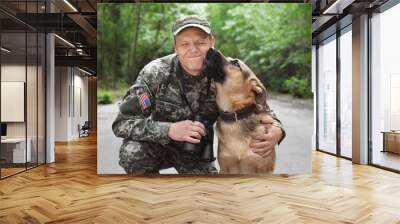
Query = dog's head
x=237 y=85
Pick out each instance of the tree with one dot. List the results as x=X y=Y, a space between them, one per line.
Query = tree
x=273 y=39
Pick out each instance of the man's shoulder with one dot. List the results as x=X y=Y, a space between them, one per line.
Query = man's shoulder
x=162 y=64
x=156 y=71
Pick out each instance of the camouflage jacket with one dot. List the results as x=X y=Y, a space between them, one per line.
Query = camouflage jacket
x=154 y=101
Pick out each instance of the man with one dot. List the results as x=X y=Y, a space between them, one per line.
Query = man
x=156 y=114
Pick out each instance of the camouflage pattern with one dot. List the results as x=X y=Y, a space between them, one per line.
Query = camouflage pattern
x=191 y=21
x=146 y=147
x=149 y=157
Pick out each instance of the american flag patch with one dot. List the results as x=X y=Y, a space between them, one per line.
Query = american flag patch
x=144 y=101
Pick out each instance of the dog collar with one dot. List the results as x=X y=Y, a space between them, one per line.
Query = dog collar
x=237 y=115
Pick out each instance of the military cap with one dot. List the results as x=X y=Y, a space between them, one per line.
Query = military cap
x=191 y=21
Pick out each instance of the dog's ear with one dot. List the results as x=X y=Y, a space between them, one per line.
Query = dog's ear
x=261 y=94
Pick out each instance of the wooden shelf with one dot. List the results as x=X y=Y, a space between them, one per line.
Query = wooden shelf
x=391 y=141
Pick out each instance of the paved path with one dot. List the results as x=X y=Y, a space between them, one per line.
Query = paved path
x=293 y=155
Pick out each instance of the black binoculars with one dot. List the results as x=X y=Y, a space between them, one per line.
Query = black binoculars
x=205 y=147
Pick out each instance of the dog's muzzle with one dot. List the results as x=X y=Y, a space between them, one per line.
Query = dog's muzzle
x=215 y=65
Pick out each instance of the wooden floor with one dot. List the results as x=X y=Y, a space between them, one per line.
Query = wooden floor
x=70 y=191
x=10 y=171
x=387 y=159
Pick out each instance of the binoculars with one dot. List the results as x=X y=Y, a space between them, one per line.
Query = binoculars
x=205 y=147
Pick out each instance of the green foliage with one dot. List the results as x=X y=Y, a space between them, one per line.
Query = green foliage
x=297 y=87
x=273 y=39
x=130 y=36
x=104 y=96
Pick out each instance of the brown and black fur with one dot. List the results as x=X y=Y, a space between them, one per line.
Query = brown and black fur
x=238 y=87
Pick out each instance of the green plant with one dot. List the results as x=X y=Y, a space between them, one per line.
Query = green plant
x=298 y=87
x=104 y=97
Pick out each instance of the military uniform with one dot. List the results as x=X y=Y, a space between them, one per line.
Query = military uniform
x=148 y=109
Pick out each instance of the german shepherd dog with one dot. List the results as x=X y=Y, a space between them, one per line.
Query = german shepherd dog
x=242 y=101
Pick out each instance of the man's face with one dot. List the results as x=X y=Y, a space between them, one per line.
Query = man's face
x=191 y=46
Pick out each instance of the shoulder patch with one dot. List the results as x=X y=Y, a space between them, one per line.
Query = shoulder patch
x=144 y=101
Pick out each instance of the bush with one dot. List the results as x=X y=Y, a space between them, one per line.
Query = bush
x=298 y=87
x=104 y=97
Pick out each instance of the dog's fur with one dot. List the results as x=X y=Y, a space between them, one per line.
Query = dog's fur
x=238 y=87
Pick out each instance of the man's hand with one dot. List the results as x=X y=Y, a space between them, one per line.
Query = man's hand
x=264 y=144
x=188 y=131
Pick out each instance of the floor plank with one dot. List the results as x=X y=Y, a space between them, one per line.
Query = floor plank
x=70 y=191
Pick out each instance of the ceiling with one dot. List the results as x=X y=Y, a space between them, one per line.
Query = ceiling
x=74 y=22
x=330 y=15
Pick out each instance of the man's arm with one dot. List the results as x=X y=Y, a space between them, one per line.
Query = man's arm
x=277 y=123
x=134 y=117
x=264 y=144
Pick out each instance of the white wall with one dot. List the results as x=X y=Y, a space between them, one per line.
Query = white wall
x=61 y=103
x=71 y=93
x=80 y=110
x=14 y=73
x=12 y=101
x=33 y=126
